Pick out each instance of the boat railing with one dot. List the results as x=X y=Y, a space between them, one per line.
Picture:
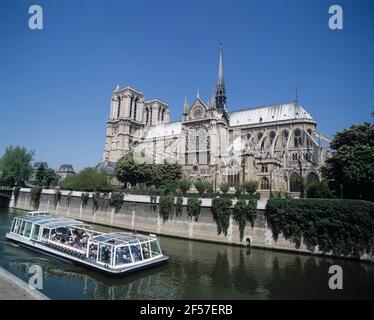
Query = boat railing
x=66 y=248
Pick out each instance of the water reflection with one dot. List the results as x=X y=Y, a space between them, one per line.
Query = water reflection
x=196 y=270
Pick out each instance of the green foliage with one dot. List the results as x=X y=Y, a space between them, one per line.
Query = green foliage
x=36 y=193
x=221 y=214
x=343 y=227
x=97 y=200
x=224 y=187
x=166 y=207
x=84 y=198
x=88 y=179
x=153 y=199
x=193 y=207
x=50 y=178
x=250 y=186
x=56 y=197
x=317 y=189
x=350 y=171
x=179 y=206
x=116 y=200
x=129 y=171
x=16 y=191
x=15 y=166
x=245 y=211
x=238 y=190
x=184 y=186
x=200 y=186
x=39 y=176
x=70 y=194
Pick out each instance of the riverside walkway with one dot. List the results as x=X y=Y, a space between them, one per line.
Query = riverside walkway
x=13 y=288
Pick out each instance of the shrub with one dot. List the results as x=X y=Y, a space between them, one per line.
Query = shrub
x=84 y=198
x=116 y=200
x=179 y=206
x=317 y=189
x=245 y=211
x=153 y=202
x=250 y=186
x=96 y=200
x=343 y=227
x=200 y=187
x=166 y=207
x=16 y=191
x=57 y=197
x=184 y=186
x=36 y=193
x=88 y=179
x=238 y=190
x=193 y=207
x=224 y=187
x=221 y=214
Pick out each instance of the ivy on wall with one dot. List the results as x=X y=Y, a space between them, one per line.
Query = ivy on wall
x=193 y=208
x=16 y=191
x=179 y=206
x=35 y=196
x=166 y=207
x=84 y=198
x=221 y=208
x=56 y=197
x=245 y=210
x=343 y=227
x=153 y=201
x=97 y=200
x=116 y=200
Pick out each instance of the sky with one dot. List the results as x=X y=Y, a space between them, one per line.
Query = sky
x=56 y=83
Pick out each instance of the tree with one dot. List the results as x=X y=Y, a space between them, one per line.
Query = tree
x=317 y=189
x=224 y=187
x=87 y=180
x=50 y=178
x=200 y=187
x=164 y=173
x=250 y=186
x=350 y=171
x=39 y=176
x=184 y=186
x=15 y=166
x=127 y=171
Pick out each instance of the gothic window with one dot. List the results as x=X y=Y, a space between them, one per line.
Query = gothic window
x=272 y=136
x=295 y=182
x=264 y=184
x=284 y=137
x=197 y=144
x=119 y=107
x=259 y=136
x=146 y=116
x=312 y=177
x=264 y=168
x=233 y=174
x=162 y=115
x=197 y=149
x=131 y=99
x=135 y=107
x=298 y=141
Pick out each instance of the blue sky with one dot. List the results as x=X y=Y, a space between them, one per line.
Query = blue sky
x=56 y=83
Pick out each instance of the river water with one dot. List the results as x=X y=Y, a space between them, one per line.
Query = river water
x=197 y=270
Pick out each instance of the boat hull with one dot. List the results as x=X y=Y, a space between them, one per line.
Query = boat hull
x=37 y=247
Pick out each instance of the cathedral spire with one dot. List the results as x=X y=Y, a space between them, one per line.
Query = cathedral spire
x=185 y=107
x=221 y=89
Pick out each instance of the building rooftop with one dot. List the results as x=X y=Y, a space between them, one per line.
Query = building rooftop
x=266 y=114
x=162 y=130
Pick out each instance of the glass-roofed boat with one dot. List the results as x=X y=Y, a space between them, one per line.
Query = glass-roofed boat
x=71 y=240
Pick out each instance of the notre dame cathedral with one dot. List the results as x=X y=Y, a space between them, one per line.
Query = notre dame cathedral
x=274 y=144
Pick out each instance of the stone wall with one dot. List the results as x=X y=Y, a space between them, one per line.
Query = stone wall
x=138 y=214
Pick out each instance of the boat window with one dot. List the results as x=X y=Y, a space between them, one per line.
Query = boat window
x=22 y=229
x=45 y=233
x=155 y=249
x=123 y=255
x=17 y=226
x=146 y=250
x=35 y=232
x=13 y=224
x=135 y=251
x=104 y=253
x=27 y=229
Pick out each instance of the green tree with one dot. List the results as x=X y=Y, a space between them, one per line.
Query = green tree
x=164 y=173
x=224 y=187
x=238 y=190
x=200 y=186
x=50 y=178
x=250 y=186
x=87 y=180
x=350 y=171
x=317 y=189
x=184 y=186
x=15 y=166
x=39 y=176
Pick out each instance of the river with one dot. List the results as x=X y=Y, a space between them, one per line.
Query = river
x=197 y=270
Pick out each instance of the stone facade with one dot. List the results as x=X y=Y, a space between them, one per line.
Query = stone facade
x=274 y=144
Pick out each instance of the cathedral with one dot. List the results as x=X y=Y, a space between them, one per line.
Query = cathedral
x=274 y=144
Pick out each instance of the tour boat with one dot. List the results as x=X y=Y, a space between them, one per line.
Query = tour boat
x=115 y=253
